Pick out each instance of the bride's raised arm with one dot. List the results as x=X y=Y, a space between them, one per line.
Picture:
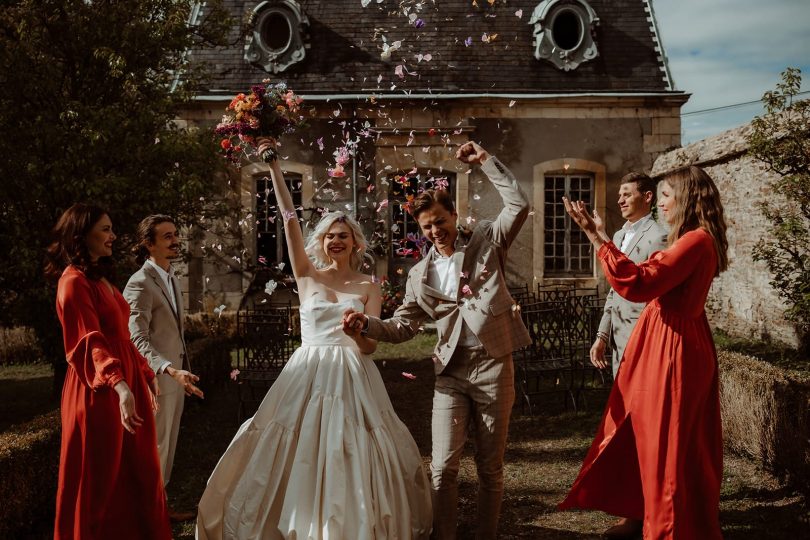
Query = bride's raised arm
x=301 y=264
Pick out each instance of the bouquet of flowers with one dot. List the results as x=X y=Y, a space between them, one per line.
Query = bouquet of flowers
x=269 y=110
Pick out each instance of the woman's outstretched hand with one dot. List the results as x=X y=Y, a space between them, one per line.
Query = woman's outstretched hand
x=593 y=226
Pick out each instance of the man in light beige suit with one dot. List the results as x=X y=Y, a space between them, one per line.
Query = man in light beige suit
x=460 y=285
x=156 y=328
x=639 y=237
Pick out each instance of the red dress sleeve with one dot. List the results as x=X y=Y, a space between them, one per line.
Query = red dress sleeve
x=662 y=272
x=86 y=347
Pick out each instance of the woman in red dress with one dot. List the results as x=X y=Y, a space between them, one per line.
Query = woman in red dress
x=109 y=473
x=658 y=453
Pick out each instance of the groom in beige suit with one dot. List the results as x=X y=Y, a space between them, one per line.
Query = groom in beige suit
x=460 y=285
x=156 y=328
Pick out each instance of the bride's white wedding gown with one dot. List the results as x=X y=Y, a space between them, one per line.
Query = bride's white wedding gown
x=325 y=456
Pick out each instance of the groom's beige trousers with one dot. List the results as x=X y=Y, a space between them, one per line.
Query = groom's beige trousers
x=473 y=392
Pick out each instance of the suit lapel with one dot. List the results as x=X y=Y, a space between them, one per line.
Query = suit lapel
x=178 y=301
x=637 y=237
x=426 y=288
x=152 y=273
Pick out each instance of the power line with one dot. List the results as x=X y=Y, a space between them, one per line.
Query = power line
x=733 y=106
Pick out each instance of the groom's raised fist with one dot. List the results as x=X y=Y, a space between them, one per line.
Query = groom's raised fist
x=470 y=152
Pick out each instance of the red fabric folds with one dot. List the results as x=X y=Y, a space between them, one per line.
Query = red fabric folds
x=658 y=453
x=109 y=480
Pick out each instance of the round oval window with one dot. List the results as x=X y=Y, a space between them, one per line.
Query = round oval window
x=276 y=31
x=566 y=29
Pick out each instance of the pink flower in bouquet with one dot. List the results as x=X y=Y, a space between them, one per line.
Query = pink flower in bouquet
x=342 y=156
x=337 y=172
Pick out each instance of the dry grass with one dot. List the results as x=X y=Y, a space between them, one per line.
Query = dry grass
x=543 y=457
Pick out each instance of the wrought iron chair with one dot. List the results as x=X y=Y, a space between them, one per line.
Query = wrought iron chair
x=544 y=367
x=522 y=294
x=266 y=340
x=585 y=311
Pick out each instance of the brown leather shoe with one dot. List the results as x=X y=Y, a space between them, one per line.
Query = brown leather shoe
x=625 y=528
x=179 y=517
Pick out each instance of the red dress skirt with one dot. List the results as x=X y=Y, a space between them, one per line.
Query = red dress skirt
x=109 y=479
x=658 y=453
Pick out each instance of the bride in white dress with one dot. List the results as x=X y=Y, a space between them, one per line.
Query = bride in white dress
x=325 y=456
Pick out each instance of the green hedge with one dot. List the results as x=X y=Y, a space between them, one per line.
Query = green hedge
x=766 y=416
x=29 y=469
x=19 y=345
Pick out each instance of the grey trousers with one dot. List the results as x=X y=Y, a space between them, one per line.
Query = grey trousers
x=475 y=392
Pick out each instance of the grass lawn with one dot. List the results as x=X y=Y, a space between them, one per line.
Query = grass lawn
x=543 y=456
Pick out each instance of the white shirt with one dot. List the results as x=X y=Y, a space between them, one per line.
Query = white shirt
x=630 y=230
x=444 y=274
x=167 y=280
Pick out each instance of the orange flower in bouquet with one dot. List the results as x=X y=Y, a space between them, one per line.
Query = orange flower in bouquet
x=269 y=110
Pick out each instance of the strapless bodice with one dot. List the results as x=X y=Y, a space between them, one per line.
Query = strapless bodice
x=321 y=322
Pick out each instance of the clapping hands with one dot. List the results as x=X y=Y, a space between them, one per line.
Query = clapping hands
x=593 y=226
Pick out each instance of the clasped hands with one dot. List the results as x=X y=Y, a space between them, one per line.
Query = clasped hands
x=353 y=322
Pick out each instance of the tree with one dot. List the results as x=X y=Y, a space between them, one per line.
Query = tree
x=89 y=93
x=781 y=139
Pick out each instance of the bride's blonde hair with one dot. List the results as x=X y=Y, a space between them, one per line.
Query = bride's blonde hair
x=314 y=244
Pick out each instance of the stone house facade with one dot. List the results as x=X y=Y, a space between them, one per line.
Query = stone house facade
x=569 y=94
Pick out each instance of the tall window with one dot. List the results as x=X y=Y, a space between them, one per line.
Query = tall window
x=567 y=249
x=406 y=238
x=271 y=245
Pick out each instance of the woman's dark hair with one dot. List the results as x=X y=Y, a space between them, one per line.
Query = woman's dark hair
x=145 y=235
x=69 y=244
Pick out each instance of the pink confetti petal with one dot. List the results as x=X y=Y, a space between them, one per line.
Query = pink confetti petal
x=407 y=375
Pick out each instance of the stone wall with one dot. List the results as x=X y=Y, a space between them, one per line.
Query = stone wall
x=741 y=301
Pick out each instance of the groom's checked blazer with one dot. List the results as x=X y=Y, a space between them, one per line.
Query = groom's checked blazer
x=157 y=332
x=486 y=306
x=620 y=315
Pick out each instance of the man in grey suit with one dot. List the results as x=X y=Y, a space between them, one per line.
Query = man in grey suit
x=460 y=285
x=639 y=237
x=156 y=329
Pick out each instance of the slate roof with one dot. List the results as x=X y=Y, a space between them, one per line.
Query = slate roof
x=345 y=39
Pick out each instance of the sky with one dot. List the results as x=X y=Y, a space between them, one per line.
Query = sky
x=727 y=52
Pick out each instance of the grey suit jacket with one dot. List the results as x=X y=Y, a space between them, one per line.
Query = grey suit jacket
x=154 y=327
x=488 y=309
x=620 y=315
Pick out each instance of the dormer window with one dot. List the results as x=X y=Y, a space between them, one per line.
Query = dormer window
x=279 y=36
x=564 y=32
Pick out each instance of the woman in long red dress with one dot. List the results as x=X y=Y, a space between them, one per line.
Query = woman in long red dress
x=658 y=453
x=109 y=473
